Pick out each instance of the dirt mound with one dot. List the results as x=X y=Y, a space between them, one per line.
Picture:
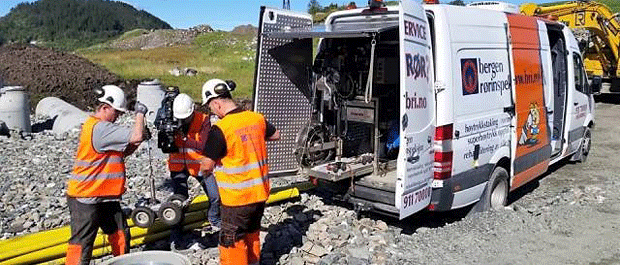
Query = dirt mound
x=246 y=29
x=149 y=39
x=44 y=72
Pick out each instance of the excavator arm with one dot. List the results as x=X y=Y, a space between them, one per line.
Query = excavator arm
x=601 y=49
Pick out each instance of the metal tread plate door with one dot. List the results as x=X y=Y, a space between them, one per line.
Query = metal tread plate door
x=276 y=90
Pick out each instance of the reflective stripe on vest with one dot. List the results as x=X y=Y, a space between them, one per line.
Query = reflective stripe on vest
x=241 y=169
x=242 y=173
x=190 y=148
x=95 y=174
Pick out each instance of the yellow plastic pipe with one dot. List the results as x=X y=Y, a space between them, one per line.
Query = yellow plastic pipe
x=60 y=250
x=17 y=246
x=98 y=252
x=47 y=245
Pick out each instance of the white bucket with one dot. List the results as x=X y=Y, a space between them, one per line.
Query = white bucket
x=67 y=116
x=151 y=93
x=15 y=108
x=149 y=258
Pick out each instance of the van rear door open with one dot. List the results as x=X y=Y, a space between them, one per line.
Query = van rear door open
x=417 y=110
x=281 y=85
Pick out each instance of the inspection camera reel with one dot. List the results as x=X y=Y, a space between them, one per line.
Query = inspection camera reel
x=313 y=145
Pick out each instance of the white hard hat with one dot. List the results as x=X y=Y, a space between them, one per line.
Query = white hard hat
x=182 y=106
x=113 y=96
x=215 y=88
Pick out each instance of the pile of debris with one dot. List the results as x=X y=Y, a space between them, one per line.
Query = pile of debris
x=160 y=38
x=45 y=72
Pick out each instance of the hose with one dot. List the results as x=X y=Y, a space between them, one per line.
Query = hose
x=18 y=246
x=52 y=244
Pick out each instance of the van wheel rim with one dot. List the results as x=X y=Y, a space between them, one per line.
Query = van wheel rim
x=499 y=194
x=586 y=144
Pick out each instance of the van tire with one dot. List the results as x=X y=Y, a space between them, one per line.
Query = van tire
x=498 y=186
x=586 y=143
x=495 y=195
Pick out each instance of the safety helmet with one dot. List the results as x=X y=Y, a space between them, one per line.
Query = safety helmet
x=182 y=106
x=113 y=96
x=215 y=88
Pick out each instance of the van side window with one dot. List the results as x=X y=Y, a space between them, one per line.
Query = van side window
x=580 y=77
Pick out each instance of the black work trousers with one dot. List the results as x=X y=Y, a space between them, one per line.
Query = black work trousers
x=86 y=219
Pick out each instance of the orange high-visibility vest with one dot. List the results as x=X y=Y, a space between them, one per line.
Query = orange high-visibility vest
x=190 y=147
x=242 y=174
x=95 y=174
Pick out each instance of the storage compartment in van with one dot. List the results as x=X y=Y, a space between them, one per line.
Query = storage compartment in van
x=354 y=129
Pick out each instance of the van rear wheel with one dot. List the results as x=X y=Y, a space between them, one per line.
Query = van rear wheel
x=495 y=195
x=498 y=184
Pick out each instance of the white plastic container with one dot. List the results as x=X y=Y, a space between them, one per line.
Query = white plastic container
x=66 y=116
x=15 y=108
x=151 y=93
x=149 y=258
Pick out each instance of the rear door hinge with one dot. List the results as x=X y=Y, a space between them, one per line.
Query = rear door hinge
x=439 y=86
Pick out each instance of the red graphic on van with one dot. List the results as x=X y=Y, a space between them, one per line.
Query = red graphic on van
x=469 y=75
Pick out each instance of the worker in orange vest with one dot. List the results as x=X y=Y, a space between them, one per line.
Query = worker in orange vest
x=190 y=141
x=236 y=144
x=97 y=181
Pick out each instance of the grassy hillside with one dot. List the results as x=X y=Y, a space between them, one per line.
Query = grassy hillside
x=222 y=55
x=614 y=5
x=70 y=24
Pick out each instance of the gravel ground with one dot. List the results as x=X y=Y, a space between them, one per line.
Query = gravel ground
x=568 y=216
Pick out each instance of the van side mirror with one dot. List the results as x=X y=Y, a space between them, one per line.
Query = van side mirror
x=595 y=84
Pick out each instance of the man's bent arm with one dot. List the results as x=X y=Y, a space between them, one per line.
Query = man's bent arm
x=137 y=133
x=275 y=136
x=206 y=166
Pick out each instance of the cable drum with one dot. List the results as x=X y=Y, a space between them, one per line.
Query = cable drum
x=308 y=137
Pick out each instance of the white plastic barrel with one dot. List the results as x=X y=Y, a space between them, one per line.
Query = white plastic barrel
x=154 y=257
x=67 y=116
x=151 y=93
x=15 y=108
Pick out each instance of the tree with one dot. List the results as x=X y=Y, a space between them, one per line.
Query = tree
x=314 y=7
x=457 y=3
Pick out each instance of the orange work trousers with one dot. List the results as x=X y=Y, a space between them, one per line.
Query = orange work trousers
x=245 y=251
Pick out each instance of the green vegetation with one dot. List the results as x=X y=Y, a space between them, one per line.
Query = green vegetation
x=71 y=24
x=217 y=54
x=614 y=5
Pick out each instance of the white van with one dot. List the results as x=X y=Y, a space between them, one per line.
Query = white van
x=413 y=107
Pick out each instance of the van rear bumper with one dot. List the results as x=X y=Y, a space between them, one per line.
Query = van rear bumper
x=442 y=198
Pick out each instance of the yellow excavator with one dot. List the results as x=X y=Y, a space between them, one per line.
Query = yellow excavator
x=598 y=31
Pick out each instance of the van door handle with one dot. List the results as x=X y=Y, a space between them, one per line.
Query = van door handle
x=575 y=103
x=510 y=110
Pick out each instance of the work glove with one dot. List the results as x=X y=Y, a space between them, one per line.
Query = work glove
x=141 y=108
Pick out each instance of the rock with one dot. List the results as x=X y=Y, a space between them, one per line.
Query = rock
x=359 y=253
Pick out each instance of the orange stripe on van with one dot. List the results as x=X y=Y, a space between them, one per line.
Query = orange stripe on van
x=532 y=131
x=529 y=174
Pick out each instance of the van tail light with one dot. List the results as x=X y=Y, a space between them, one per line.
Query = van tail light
x=442 y=165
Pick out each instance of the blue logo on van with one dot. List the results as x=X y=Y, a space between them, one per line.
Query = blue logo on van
x=469 y=76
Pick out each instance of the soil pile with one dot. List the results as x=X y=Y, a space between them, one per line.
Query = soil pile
x=45 y=72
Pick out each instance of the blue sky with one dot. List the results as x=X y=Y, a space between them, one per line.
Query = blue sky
x=223 y=14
